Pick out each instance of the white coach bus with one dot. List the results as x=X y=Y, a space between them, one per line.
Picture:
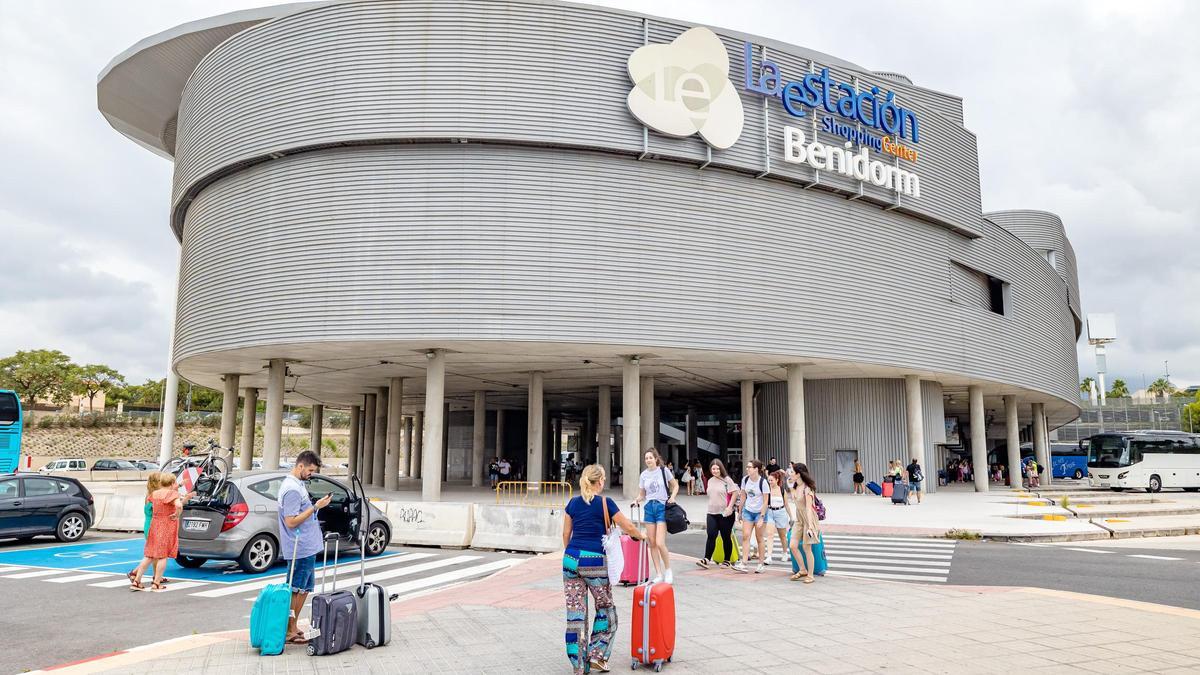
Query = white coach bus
x=1152 y=460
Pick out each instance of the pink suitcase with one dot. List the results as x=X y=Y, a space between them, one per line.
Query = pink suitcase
x=633 y=573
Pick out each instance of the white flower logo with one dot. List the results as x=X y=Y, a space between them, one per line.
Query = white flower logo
x=683 y=88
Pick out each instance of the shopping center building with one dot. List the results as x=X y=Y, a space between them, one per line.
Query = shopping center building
x=545 y=229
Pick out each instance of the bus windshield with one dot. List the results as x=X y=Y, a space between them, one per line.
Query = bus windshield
x=10 y=411
x=10 y=431
x=1108 y=452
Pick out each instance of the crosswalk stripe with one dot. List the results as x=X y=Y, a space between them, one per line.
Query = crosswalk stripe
x=886 y=540
x=889 y=549
x=450 y=577
x=112 y=584
x=78 y=577
x=423 y=567
x=183 y=585
x=33 y=574
x=341 y=570
x=885 y=561
x=883 y=554
x=890 y=568
x=883 y=575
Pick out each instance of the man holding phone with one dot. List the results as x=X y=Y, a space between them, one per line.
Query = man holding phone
x=300 y=534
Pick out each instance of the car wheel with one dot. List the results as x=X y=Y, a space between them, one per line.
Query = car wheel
x=71 y=527
x=377 y=539
x=1155 y=484
x=1116 y=489
x=259 y=555
x=1078 y=474
x=190 y=562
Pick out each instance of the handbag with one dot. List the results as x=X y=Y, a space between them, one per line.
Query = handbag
x=614 y=556
x=677 y=520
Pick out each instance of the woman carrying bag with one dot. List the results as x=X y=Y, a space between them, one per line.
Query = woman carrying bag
x=589 y=536
x=721 y=491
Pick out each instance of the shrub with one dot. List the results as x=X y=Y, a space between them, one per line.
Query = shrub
x=966 y=535
x=46 y=422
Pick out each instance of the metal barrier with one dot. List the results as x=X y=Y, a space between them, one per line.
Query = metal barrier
x=548 y=494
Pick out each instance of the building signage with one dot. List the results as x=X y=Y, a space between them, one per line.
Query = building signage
x=842 y=159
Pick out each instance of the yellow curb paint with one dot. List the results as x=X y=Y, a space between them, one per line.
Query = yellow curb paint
x=1082 y=506
x=151 y=652
x=1050 y=516
x=1037 y=503
x=1115 y=520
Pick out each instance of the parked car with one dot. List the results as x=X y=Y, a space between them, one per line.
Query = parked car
x=145 y=465
x=113 y=465
x=32 y=505
x=241 y=521
x=73 y=464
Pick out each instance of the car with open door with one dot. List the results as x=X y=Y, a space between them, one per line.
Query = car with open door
x=237 y=518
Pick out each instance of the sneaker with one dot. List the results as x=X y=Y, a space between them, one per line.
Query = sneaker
x=740 y=567
x=760 y=568
x=726 y=565
x=668 y=578
x=703 y=562
x=657 y=579
x=783 y=558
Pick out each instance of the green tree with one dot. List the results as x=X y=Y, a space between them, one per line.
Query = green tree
x=1161 y=387
x=1119 y=389
x=95 y=378
x=1189 y=415
x=1085 y=388
x=38 y=373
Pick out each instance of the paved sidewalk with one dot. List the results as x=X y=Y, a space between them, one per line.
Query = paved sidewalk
x=513 y=623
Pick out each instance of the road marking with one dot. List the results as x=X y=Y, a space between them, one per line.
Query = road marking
x=423 y=567
x=78 y=577
x=1136 y=555
x=893 y=568
x=881 y=575
x=449 y=577
x=1087 y=550
x=36 y=573
x=888 y=561
x=884 y=554
x=183 y=585
x=884 y=540
x=340 y=570
x=889 y=549
x=123 y=581
x=1022 y=543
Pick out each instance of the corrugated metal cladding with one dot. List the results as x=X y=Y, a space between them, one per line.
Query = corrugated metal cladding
x=1042 y=230
x=969 y=287
x=525 y=72
x=863 y=415
x=494 y=242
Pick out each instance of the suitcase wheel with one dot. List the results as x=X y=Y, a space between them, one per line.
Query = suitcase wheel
x=634 y=665
x=370 y=643
x=658 y=666
x=312 y=650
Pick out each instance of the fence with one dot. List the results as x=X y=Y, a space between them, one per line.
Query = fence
x=1124 y=414
x=548 y=494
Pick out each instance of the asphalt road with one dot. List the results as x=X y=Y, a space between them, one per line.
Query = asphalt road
x=58 y=616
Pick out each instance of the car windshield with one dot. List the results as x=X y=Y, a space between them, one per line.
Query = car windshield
x=1108 y=452
x=125 y=466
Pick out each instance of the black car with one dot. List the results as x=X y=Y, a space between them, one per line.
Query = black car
x=32 y=505
x=113 y=465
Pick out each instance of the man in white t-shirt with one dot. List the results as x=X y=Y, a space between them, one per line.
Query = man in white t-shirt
x=505 y=468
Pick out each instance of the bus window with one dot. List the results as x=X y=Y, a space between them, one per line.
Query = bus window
x=10 y=411
x=1107 y=452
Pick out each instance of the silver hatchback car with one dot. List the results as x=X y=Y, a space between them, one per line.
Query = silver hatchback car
x=241 y=521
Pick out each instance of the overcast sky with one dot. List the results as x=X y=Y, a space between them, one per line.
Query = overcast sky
x=1081 y=108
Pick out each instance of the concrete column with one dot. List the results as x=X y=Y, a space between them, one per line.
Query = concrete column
x=1041 y=445
x=379 y=459
x=166 y=445
x=692 y=451
x=249 y=413
x=558 y=447
x=978 y=439
x=631 y=448
x=535 y=457
x=656 y=428
x=915 y=422
x=478 y=440
x=500 y=433
x=355 y=439
x=446 y=442
x=749 y=451
x=418 y=434
x=314 y=432
x=587 y=439
x=435 y=395
x=273 y=425
x=1013 y=429
x=405 y=444
x=367 y=465
x=395 y=420
x=797 y=442
x=646 y=417
x=229 y=407
x=604 y=429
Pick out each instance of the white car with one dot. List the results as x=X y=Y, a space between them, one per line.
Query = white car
x=74 y=464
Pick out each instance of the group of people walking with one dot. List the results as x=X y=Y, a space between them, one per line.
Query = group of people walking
x=784 y=501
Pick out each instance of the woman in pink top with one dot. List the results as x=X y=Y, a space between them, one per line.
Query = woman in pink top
x=721 y=491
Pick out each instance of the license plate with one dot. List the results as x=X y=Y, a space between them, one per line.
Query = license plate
x=1105 y=485
x=195 y=525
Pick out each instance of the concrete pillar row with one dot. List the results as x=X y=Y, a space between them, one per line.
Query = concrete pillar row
x=797 y=443
x=478 y=438
x=500 y=433
x=367 y=466
x=273 y=425
x=355 y=439
x=315 y=429
x=749 y=451
x=1041 y=445
x=418 y=434
x=631 y=451
x=249 y=413
x=535 y=455
x=978 y=439
x=395 y=420
x=915 y=421
x=379 y=457
x=1012 y=429
x=646 y=417
x=405 y=444
x=692 y=449
x=604 y=428
x=229 y=408
x=432 y=443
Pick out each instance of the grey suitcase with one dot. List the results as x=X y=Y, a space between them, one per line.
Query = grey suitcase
x=374 y=603
x=900 y=492
x=334 y=614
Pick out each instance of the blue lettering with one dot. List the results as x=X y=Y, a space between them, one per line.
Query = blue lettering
x=811 y=97
x=827 y=86
x=862 y=106
x=792 y=98
x=905 y=116
x=770 y=74
x=846 y=105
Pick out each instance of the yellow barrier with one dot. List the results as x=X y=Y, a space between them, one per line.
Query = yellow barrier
x=547 y=494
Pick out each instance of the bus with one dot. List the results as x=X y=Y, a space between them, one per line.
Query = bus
x=1068 y=460
x=1150 y=460
x=10 y=431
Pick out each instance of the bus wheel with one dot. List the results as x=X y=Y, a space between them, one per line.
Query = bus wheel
x=1078 y=474
x=1117 y=489
x=1155 y=484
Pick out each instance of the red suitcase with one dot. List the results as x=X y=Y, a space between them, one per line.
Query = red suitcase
x=887 y=488
x=653 y=639
x=633 y=573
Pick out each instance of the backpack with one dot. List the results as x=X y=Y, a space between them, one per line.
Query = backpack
x=820 y=508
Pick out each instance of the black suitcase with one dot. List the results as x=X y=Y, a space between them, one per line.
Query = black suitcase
x=334 y=614
x=900 y=492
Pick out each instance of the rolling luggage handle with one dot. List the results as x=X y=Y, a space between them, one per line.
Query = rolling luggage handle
x=329 y=537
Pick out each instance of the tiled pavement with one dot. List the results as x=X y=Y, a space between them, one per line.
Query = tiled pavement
x=512 y=622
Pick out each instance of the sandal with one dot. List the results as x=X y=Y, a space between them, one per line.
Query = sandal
x=157 y=586
x=297 y=639
x=601 y=665
x=135 y=584
x=809 y=580
x=797 y=576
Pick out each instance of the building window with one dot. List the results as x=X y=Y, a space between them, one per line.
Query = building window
x=1051 y=257
x=977 y=289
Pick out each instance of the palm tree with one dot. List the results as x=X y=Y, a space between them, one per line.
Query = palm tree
x=1119 y=389
x=1085 y=388
x=1161 y=387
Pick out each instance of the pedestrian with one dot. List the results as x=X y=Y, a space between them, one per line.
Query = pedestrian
x=858 y=479
x=751 y=496
x=1034 y=479
x=721 y=493
x=494 y=472
x=772 y=466
x=915 y=478
x=962 y=471
x=897 y=470
x=162 y=537
x=300 y=536
x=505 y=468
x=698 y=471
x=778 y=515
x=585 y=570
x=657 y=488
x=806 y=530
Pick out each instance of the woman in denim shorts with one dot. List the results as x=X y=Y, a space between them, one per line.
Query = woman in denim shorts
x=657 y=488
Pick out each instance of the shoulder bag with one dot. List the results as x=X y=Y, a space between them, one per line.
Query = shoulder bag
x=614 y=556
x=677 y=520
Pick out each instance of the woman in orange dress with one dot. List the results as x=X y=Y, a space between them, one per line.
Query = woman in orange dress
x=162 y=542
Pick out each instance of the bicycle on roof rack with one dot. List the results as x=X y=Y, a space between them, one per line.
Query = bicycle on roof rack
x=212 y=467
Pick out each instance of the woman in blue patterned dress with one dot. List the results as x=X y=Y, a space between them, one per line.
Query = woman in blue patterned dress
x=586 y=570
